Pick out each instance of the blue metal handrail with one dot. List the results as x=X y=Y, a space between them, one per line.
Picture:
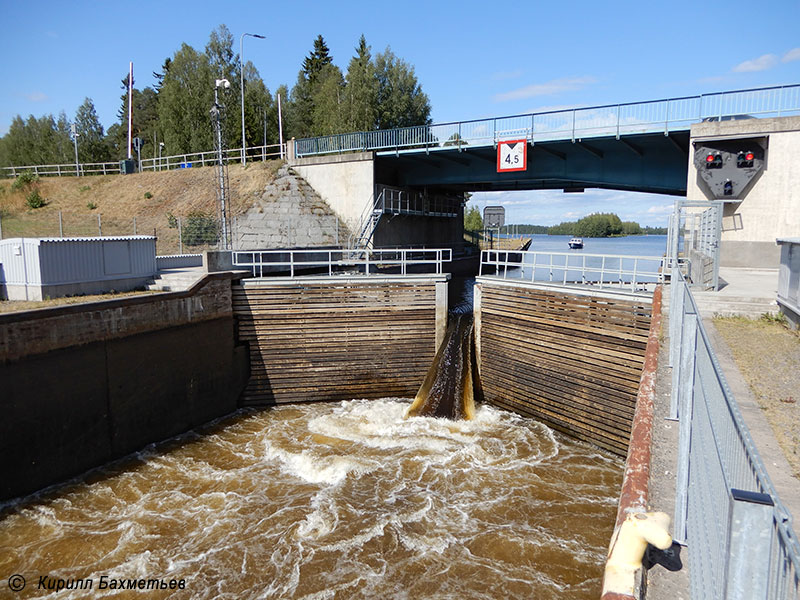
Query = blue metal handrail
x=664 y=115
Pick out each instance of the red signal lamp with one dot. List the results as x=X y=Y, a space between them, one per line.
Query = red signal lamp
x=710 y=158
x=749 y=156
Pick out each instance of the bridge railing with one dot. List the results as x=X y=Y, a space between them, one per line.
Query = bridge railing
x=727 y=511
x=653 y=116
x=337 y=261
x=638 y=273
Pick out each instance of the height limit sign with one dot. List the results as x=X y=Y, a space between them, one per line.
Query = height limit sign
x=512 y=155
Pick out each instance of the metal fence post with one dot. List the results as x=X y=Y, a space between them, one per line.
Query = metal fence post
x=134 y=225
x=685 y=396
x=60 y=225
x=99 y=226
x=749 y=545
x=180 y=236
x=676 y=308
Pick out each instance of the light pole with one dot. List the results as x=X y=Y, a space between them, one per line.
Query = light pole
x=75 y=135
x=160 y=148
x=241 y=75
x=222 y=174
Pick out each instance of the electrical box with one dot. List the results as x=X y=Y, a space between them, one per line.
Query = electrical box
x=127 y=166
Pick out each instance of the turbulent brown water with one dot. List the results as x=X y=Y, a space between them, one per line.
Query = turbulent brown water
x=452 y=383
x=344 y=500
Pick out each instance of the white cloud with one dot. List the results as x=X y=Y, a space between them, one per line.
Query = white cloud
x=36 y=96
x=791 y=55
x=762 y=63
x=555 y=86
x=661 y=209
x=572 y=215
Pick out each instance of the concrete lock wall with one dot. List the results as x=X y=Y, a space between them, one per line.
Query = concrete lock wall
x=769 y=206
x=346 y=182
x=86 y=384
x=571 y=359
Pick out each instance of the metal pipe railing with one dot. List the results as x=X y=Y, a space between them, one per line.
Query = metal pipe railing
x=163 y=163
x=264 y=263
x=740 y=536
x=597 y=270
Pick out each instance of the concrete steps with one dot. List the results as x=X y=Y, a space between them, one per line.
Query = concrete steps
x=734 y=306
x=175 y=280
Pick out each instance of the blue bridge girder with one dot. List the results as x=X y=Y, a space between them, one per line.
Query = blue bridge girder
x=641 y=146
x=647 y=163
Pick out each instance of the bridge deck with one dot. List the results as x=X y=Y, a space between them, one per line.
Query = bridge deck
x=613 y=120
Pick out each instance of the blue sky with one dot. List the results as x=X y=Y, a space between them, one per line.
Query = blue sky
x=473 y=59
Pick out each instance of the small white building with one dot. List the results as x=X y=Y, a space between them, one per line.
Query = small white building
x=40 y=268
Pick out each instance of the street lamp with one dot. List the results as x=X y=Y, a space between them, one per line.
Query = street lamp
x=160 y=148
x=241 y=75
x=75 y=135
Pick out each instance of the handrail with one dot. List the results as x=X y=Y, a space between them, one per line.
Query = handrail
x=740 y=535
x=663 y=115
x=266 y=262
x=596 y=270
x=175 y=161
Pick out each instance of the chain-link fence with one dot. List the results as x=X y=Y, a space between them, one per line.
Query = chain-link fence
x=179 y=234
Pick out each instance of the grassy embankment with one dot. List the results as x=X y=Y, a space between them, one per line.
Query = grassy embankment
x=149 y=196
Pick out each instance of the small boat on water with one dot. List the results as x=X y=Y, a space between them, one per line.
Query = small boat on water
x=575 y=243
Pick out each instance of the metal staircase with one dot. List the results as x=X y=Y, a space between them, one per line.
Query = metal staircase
x=398 y=201
x=368 y=223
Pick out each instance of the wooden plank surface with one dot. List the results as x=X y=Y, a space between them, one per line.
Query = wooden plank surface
x=321 y=342
x=573 y=362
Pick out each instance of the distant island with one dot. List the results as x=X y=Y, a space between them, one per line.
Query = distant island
x=594 y=225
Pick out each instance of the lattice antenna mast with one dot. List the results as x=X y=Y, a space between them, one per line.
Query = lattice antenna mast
x=223 y=191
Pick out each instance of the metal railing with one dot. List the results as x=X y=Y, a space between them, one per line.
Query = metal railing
x=789 y=275
x=740 y=537
x=400 y=201
x=639 y=273
x=163 y=163
x=264 y=263
x=598 y=121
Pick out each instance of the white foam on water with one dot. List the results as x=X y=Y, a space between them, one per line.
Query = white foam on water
x=340 y=500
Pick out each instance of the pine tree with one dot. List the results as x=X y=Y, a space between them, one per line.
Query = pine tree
x=317 y=59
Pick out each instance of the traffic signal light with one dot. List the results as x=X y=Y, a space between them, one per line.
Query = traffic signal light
x=744 y=160
x=714 y=160
x=727 y=188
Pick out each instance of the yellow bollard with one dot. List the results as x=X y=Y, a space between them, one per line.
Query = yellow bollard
x=627 y=549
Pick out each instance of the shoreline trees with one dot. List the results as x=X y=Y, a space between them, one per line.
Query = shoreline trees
x=376 y=92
